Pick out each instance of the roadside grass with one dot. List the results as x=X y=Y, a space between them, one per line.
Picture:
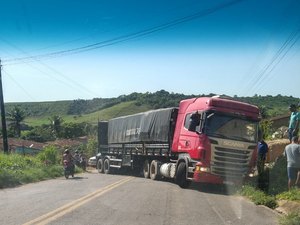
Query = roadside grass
x=16 y=169
x=258 y=197
x=292 y=195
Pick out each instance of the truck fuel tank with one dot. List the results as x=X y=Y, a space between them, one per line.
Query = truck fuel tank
x=168 y=170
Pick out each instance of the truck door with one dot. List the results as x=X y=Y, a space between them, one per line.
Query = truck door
x=189 y=133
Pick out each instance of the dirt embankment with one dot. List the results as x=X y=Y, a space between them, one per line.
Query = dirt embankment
x=276 y=148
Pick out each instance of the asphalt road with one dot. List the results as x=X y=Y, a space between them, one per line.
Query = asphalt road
x=93 y=198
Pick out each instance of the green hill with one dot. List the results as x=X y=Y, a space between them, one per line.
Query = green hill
x=90 y=111
x=120 y=109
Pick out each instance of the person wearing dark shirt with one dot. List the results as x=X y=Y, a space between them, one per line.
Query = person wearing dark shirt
x=262 y=150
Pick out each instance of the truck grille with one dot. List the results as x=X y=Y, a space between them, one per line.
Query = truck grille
x=230 y=163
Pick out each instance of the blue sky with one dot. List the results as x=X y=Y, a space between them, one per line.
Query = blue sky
x=184 y=46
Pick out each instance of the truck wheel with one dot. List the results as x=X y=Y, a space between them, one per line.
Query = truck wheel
x=180 y=178
x=146 y=168
x=154 y=170
x=100 y=166
x=106 y=166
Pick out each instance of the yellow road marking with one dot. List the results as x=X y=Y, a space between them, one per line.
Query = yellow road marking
x=61 y=211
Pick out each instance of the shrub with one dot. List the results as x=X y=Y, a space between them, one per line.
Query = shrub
x=49 y=155
x=17 y=169
x=292 y=195
x=266 y=128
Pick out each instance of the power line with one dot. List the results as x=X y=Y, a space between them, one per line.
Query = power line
x=267 y=76
x=20 y=86
x=276 y=59
x=124 y=38
x=71 y=83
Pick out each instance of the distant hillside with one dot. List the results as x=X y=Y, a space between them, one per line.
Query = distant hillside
x=274 y=105
x=38 y=109
x=37 y=113
x=75 y=107
x=120 y=109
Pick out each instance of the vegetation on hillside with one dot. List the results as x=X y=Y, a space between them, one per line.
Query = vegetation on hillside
x=274 y=105
x=45 y=121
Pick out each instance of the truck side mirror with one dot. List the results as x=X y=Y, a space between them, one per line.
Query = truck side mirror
x=194 y=122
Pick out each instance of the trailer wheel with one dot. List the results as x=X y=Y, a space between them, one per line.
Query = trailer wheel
x=100 y=166
x=180 y=178
x=106 y=166
x=146 y=169
x=154 y=174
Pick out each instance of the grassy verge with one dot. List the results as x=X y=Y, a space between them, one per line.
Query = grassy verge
x=17 y=169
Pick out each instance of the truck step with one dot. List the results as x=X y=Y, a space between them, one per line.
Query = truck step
x=116 y=160
x=115 y=166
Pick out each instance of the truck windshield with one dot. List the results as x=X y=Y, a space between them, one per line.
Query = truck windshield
x=230 y=127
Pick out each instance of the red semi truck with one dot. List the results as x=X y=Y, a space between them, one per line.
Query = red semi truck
x=206 y=139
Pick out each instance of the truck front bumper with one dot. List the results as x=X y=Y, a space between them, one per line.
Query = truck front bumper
x=205 y=177
x=202 y=174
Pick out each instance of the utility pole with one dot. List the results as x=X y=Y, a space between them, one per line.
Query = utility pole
x=3 y=120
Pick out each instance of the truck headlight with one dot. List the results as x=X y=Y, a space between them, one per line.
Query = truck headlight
x=202 y=169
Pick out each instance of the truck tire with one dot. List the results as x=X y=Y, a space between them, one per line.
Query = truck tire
x=154 y=170
x=146 y=169
x=106 y=166
x=180 y=178
x=100 y=166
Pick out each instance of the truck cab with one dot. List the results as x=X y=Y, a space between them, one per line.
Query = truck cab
x=216 y=138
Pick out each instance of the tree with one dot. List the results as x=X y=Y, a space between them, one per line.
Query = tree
x=16 y=116
x=91 y=148
x=72 y=130
x=263 y=111
x=56 y=125
x=40 y=134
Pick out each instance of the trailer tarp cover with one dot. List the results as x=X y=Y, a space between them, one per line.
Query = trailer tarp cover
x=151 y=126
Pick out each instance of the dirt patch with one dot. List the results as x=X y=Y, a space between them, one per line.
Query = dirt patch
x=287 y=207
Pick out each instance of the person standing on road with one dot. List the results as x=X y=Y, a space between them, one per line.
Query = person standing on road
x=294 y=122
x=292 y=153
